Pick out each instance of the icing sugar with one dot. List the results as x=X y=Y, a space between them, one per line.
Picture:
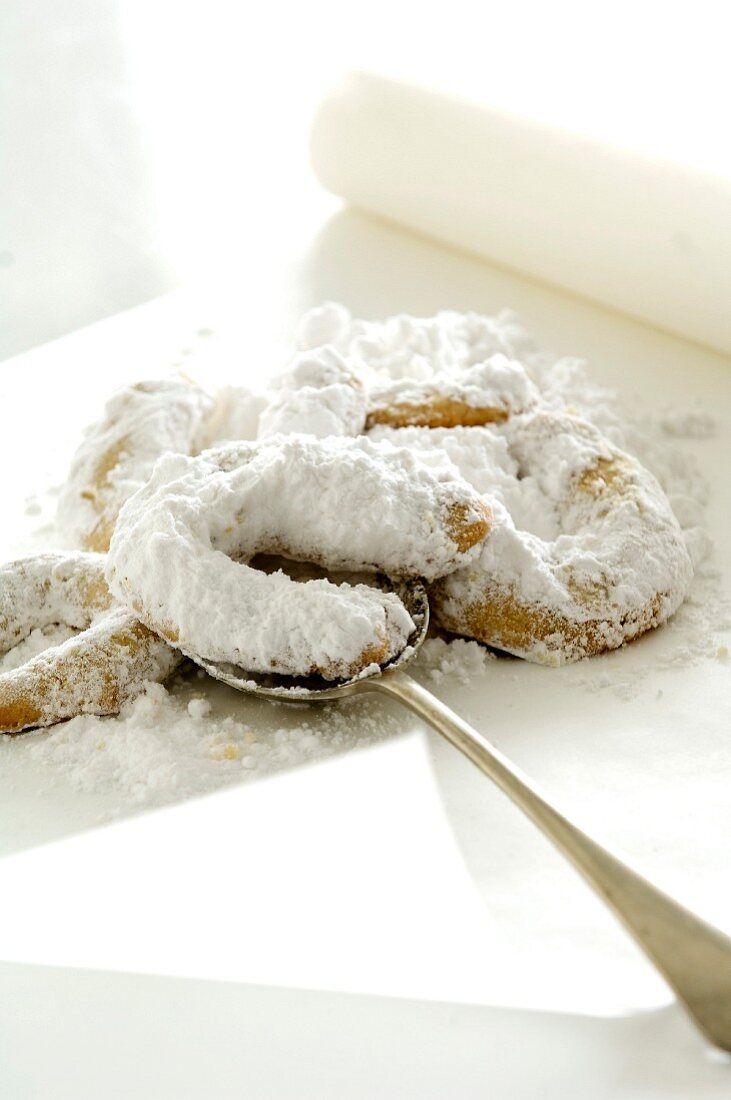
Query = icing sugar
x=140 y=423
x=497 y=383
x=342 y=503
x=234 y=415
x=404 y=347
x=616 y=551
x=164 y=745
x=454 y=659
x=693 y=424
x=319 y=395
x=40 y=639
x=614 y=558
x=70 y=650
x=545 y=535
x=48 y=589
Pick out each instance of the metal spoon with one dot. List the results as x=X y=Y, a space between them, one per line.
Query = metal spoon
x=692 y=955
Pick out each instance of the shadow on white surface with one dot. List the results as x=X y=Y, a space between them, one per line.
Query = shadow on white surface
x=377 y=269
x=83 y=1034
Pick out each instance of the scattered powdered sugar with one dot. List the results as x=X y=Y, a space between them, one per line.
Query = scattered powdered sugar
x=459 y=659
x=39 y=639
x=700 y=623
x=165 y=746
x=447 y=346
x=235 y=415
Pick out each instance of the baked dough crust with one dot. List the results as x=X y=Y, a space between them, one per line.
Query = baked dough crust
x=94 y=672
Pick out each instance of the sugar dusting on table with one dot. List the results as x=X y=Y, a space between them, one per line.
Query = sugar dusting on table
x=173 y=742
x=176 y=742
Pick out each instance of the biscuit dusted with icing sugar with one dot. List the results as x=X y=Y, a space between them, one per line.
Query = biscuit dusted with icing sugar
x=140 y=423
x=487 y=393
x=179 y=554
x=585 y=553
x=432 y=372
x=94 y=671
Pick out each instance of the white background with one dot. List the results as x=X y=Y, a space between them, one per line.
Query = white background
x=148 y=144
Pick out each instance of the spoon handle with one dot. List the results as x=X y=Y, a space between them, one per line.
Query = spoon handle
x=692 y=955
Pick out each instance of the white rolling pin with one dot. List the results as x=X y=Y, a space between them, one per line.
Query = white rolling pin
x=645 y=236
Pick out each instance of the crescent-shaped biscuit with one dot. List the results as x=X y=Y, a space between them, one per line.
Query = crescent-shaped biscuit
x=95 y=671
x=585 y=552
x=140 y=423
x=178 y=556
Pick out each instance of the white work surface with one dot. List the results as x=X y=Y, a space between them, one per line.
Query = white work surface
x=394 y=880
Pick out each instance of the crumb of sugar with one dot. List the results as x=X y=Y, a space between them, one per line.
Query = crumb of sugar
x=199 y=708
x=463 y=660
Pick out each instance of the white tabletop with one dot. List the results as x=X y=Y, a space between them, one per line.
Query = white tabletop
x=395 y=871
